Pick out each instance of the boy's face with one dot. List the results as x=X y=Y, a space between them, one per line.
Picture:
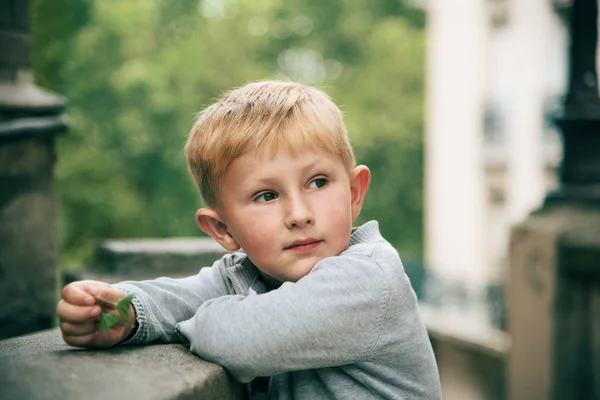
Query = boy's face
x=287 y=211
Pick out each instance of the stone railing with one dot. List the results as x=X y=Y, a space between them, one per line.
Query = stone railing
x=470 y=354
x=42 y=366
x=137 y=259
x=471 y=358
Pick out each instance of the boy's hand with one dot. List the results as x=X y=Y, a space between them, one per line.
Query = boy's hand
x=79 y=314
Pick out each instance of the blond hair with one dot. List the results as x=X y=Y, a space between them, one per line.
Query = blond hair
x=263 y=115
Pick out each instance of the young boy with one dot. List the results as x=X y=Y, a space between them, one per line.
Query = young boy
x=324 y=310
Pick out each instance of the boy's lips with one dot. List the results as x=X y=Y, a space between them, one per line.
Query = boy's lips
x=304 y=245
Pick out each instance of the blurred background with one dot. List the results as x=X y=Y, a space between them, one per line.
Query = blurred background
x=462 y=110
x=136 y=72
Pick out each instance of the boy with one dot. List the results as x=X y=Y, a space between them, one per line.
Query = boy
x=323 y=309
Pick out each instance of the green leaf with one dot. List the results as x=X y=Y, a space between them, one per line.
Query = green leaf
x=106 y=321
x=104 y=304
x=123 y=307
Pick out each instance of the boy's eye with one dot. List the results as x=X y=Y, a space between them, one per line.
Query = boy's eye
x=265 y=197
x=318 y=183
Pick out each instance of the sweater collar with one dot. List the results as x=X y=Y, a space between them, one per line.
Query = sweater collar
x=243 y=276
x=366 y=233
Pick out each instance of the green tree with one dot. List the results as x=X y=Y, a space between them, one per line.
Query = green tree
x=135 y=73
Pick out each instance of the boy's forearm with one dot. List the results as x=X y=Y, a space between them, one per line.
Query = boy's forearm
x=317 y=322
x=160 y=304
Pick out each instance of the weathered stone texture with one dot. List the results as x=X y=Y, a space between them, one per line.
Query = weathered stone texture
x=554 y=303
x=28 y=240
x=42 y=366
x=471 y=355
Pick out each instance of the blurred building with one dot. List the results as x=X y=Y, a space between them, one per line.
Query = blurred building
x=496 y=72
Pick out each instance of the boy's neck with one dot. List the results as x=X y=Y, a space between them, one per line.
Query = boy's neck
x=271 y=283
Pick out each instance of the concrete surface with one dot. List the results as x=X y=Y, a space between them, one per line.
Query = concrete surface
x=42 y=366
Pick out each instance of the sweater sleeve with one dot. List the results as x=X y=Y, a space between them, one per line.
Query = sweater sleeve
x=162 y=303
x=333 y=316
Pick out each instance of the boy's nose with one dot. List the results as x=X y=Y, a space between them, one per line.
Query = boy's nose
x=298 y=212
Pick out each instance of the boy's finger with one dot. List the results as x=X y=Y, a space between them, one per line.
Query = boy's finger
x=69 y=329
x=74 y=293
x=74 y=313
x=79 y=341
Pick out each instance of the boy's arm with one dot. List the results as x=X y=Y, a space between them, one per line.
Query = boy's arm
x=333 y=316
x=162 y=303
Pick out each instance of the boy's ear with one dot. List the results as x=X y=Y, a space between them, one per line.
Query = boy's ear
x=360 y=179
x=209 y=221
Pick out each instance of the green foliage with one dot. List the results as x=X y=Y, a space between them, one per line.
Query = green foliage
x=135 y=73
x=108 y=319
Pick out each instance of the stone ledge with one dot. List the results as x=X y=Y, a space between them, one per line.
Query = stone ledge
x=155 y=257
x=470 y=353
x=470 y=333
x=42 y=366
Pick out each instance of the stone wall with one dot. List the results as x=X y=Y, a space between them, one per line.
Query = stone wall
x=29 y=119
x=42 y=366
x=28 y=245
x=470 y=353
x=554 y=293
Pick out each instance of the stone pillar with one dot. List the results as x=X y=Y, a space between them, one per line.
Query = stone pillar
x=454 y=181
x=29 y=119
x=554 y=275
x=526 y=184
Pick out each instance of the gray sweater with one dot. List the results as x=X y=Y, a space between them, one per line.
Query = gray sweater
x=350 y=329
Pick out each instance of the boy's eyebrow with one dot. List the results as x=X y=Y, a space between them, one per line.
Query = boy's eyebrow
x=274 y=176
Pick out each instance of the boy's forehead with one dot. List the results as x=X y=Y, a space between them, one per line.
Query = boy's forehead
x=271 y=153
x=265 y=156
x=264 y=160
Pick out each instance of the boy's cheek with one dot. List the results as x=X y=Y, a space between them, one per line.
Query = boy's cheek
x=333 y=209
